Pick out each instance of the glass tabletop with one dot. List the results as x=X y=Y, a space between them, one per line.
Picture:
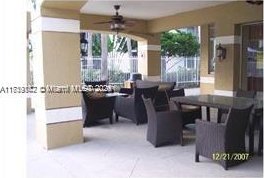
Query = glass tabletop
x=115 y=94
x=218 y=101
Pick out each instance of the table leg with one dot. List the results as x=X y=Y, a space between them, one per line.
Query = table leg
x=219 y=115
x=251 y=135
x=208 y=114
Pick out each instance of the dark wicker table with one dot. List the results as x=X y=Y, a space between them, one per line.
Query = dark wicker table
x=224 y=102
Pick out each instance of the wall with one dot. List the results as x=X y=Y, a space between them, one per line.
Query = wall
x=61 y=67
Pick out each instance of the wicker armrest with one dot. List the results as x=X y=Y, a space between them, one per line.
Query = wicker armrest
x=209 y=130
x=169 y=114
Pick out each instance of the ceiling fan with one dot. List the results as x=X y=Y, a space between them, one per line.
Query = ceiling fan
x=255 y=2
x=117 y=22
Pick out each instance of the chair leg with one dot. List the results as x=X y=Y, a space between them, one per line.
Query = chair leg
x=116 y=117
x=251 y=136
x=260 y=145
x=196 y=157
x=181 y=140
x=225 y=166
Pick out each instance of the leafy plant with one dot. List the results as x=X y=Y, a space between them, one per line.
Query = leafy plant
x=179 y=44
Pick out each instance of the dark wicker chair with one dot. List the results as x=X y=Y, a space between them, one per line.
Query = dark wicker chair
x=132 y=107
x=245 y=94
x=189 y=112
x=96 y=108
x=239 y=93
x=160 y=100
x=228 y=137
x=163 y=127
x=260 y=143
x=128 y=91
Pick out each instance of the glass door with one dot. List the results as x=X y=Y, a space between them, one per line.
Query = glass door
x=252 y=57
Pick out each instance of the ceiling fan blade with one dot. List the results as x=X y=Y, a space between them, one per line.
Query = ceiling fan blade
x=141 y=33
x=103 y=22
x=131 y=20
x=129 y=24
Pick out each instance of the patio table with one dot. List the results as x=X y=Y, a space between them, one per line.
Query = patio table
x=224 y=102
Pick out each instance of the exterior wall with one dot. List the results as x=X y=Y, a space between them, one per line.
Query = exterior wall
x=61 y=55
x=64 y=133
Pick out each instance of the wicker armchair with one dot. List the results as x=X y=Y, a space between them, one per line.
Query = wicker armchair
x=228 y=138
x=239 y=93
x=95 y=108
x=132 y=107
x=163 y=127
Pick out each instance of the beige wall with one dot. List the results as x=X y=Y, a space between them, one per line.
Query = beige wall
x=224 y=70
x=207 y=88
x=64 y=133
x=63 y=4
x=61 y=54
x=60 y=13
x=234 y=13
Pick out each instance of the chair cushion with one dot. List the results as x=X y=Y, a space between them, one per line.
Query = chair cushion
x=166 y=86
x=148 y=84
x=188 y=108
x=95 y=95
x=96 y=83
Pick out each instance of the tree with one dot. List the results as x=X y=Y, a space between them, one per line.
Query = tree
x=179 y=44
x=96 y=44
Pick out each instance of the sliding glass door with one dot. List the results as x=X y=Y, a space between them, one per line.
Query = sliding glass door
x=252 y=57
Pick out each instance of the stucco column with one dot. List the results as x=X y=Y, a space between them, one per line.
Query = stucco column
x=56 y=48
x=227 y=70
x=207 y=80
x=149 y=61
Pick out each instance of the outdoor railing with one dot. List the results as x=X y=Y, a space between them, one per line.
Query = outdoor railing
x=119 y=69
x=183 y=71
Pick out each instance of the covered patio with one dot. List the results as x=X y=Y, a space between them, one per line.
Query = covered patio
x=57 y=141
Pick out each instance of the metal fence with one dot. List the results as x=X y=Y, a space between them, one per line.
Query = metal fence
x=184 y=71
x=119 y=69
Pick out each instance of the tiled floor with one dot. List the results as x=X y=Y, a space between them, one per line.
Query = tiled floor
x=121 y=151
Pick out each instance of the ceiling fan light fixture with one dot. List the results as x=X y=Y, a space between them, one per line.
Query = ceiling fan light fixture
x=117 y=22
x=117 y=27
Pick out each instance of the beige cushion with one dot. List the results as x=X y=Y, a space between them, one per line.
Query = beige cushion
x=189 y=107
x=95 y=95
x=162 y=85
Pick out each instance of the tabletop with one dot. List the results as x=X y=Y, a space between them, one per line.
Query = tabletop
x=218 y=101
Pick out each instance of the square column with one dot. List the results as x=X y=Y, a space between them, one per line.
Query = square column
x=56 y=50
x=149 y=62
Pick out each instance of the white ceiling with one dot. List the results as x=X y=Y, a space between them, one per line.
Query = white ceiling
x=145 y=9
